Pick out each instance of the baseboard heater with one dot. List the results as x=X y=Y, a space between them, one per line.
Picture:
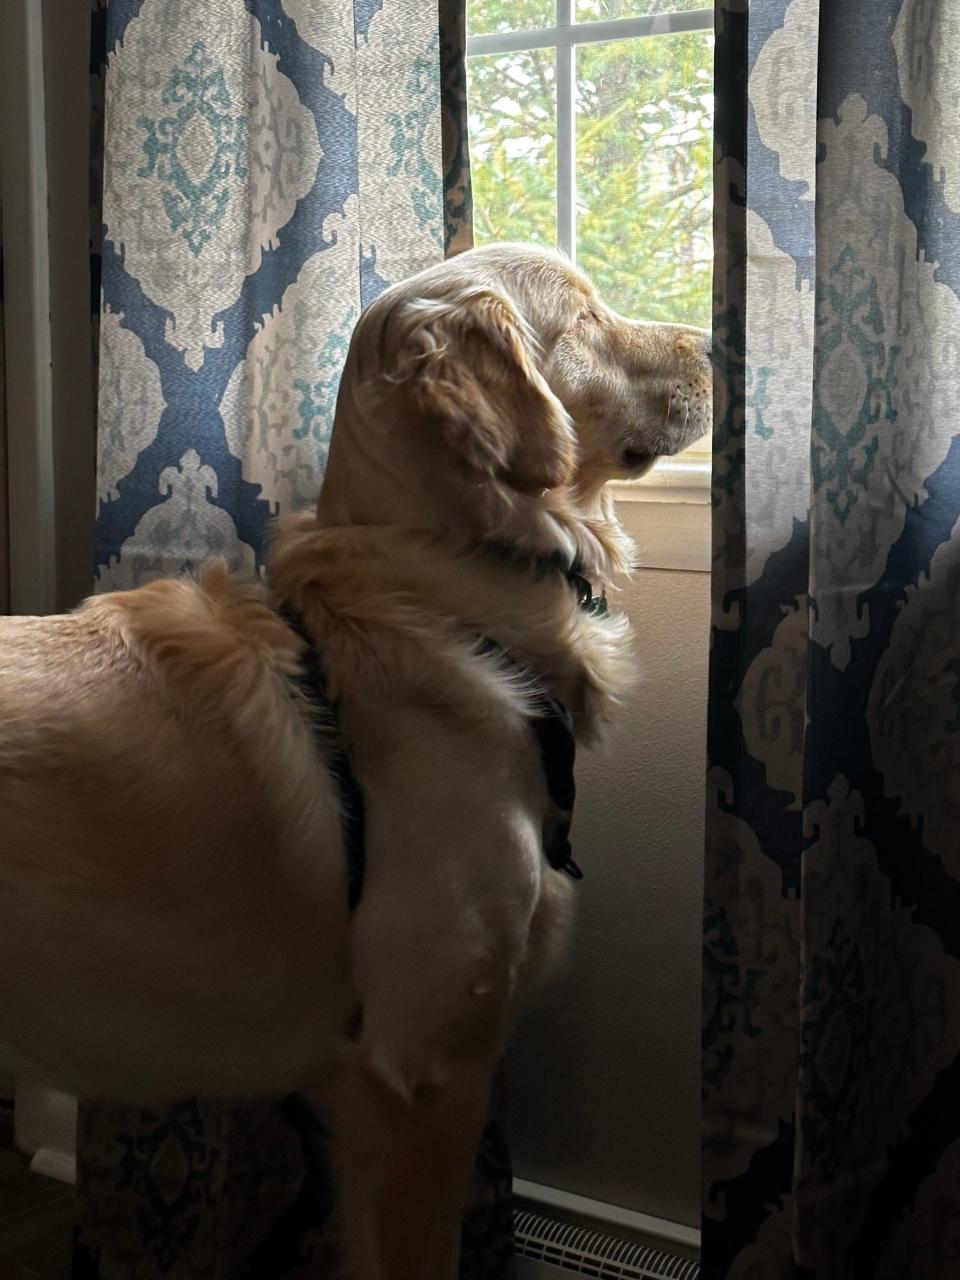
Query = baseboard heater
x=550 y=1243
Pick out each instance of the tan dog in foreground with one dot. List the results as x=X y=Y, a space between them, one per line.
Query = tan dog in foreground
x=173 y=896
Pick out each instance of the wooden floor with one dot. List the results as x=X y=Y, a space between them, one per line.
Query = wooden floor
x=36 y=1222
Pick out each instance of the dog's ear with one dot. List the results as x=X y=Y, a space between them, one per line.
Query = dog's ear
x=469 y=365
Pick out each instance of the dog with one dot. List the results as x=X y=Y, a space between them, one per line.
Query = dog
x=175 y=895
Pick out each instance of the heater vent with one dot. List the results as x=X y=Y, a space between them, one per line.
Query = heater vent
x=594 y=1253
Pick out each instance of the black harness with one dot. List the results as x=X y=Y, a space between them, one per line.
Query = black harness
x=312 y=681
x=551 y=725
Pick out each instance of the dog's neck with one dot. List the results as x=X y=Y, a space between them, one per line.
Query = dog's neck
x=573 y=522
x=376 y=598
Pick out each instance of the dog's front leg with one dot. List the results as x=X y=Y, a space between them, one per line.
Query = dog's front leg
x=437 y=944
x=403 y=1162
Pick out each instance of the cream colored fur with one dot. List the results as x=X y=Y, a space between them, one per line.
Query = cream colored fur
x=173 y=899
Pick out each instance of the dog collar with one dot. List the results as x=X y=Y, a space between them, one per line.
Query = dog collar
x=545 y=565
x=596 y=606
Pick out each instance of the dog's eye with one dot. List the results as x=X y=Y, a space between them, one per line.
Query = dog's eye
x=588 y=314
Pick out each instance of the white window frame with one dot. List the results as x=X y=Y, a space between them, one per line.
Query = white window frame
x=674 y=480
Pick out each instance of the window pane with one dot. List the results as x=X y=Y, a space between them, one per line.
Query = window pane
x=487 y=16
x=644 y=157
x=604 y=10
x=513 y=145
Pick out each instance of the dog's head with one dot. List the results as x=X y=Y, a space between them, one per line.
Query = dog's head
x=498 y=382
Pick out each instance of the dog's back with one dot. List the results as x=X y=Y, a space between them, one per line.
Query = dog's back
x=156 y=892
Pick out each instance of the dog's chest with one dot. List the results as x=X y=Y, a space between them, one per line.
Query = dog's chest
x=473 y=803
x=533 y=770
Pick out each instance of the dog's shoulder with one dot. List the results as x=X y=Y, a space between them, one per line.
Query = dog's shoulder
x=211 y=637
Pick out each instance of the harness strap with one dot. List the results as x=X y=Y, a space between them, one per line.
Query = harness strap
x=328 y=738
x=558 y=750
x=552 y=728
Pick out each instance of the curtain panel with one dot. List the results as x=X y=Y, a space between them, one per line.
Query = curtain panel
x=831 y=1038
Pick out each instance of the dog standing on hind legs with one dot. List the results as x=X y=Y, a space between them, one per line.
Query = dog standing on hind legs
x=177 y=913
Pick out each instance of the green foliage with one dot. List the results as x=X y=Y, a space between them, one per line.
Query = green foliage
x=513 y=145
x=644 y=154
x=485 y=16
x=604 y=10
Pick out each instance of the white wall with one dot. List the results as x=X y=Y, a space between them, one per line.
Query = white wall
x=66 y=62
x=44 y=177
x=604 y=1079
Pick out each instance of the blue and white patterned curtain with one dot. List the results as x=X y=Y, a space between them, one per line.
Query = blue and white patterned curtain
x=267 y=168
x=832 y=928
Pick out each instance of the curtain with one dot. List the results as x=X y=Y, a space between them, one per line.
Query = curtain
x=831 y=1038
x=266 y=169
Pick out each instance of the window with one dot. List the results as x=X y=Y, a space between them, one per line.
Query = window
x=591 y=128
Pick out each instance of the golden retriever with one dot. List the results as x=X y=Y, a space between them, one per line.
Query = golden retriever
x=174 y=915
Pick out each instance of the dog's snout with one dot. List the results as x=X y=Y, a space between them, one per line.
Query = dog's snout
x=694 y=344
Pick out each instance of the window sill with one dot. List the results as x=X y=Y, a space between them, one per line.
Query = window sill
x=671 y=480
x=667 y=513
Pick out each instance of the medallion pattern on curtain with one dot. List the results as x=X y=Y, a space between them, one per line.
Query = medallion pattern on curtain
x=268 y=167
x=831 y=1072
